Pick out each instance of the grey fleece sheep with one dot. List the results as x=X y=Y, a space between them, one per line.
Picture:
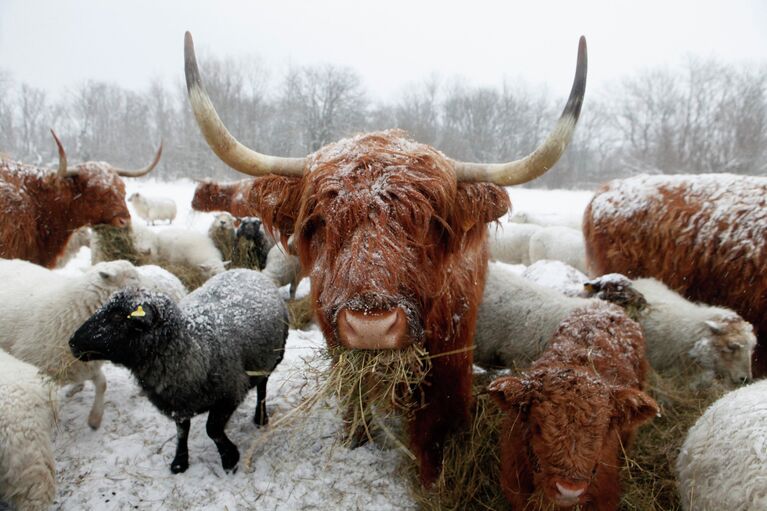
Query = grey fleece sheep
x=202 y=355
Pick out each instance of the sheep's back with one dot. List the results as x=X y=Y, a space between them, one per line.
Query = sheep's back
x=241 y=314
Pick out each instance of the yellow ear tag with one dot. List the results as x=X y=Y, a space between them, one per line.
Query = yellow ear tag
x=138 y=313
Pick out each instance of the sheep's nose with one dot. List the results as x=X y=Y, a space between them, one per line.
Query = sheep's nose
x=571 y=490
x=373 y=330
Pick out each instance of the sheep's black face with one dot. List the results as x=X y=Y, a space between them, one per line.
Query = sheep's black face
x=113 y=331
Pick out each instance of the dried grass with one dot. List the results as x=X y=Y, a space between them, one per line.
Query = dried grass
x=300 y=312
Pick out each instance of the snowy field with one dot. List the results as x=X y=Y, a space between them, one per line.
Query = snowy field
x=296 y=465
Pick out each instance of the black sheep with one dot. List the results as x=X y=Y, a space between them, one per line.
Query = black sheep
x=202 y=355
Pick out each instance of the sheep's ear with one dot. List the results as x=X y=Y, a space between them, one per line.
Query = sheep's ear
x=632 y=408
x=715 y=326
x=509 y=392
x=106 y=274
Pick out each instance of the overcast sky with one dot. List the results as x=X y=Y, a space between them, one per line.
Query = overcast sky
x=60 y=43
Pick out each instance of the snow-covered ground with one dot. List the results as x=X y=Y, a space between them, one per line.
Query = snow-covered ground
x=297 y=462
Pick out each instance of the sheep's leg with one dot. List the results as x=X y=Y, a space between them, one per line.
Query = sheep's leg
x=97 y=410
x=181 y=459
x=260 y=418
x=217 y=418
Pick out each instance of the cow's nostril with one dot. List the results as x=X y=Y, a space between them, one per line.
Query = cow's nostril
x=376 y=330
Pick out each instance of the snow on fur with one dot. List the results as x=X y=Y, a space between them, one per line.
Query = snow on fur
x=723 y=461
x=179 y=245
x=40 y=309
x=556 y=275
x=28 y=406
x=202 y=355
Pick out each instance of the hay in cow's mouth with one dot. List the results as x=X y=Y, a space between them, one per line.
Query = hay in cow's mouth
x=368 y=384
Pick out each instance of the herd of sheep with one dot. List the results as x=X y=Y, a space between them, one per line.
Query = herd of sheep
x=204 y=351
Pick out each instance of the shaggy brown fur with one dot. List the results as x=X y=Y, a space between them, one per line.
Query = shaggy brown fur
x=382 y=222
x=232 y=197
x=677 y=233
x=570 y=415
x=40 y=210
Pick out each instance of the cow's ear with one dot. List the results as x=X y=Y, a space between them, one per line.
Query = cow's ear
x=277 y=200
x=509 y=392
x=632 y=408
x=479 y=203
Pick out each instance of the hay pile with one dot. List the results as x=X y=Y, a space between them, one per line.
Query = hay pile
x=300 y=312
x=648 y=478
x=471 y=465
x=110 y=243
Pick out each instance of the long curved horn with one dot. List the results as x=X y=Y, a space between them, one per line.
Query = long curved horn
x=62 y=156
x=140 y=172
x=231 y=152
x=546 y=155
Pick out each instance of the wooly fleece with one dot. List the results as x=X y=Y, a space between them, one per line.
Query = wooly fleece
x=559 y=243
x=679 y=331
x=222 y=232
x=40 y=310
x=510 y=243
x=182 y=246
x=152 y=209
x=156 y=278
x=28 y=408
x=203 y=354
x=516 y=319
x=556 y=275
x=723 y=461
x=283 y=268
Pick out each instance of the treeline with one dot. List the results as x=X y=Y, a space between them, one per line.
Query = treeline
x=701 y=116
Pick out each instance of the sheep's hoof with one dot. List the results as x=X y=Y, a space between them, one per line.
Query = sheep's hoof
x=94 y=421
x=260 y=419
x=179 y=466
x=229 y=461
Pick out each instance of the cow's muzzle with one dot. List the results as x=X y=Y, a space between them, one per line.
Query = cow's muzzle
x=373 y=330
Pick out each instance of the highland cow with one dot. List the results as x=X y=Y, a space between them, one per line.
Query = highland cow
x=571 y=414
x=393 y=236
x=705 y=236
x=41 y=208
x=211 y=196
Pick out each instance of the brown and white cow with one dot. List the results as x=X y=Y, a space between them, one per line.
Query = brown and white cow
x=571 y=414
x=393 y=236
x=41 y=208
x=705 y=236
x=210 y=196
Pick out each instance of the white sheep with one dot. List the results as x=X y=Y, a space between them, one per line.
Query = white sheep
x=152 y=209
x=723 y=461
x=283 y=268
x=510 y=243
x=156 y=278
x=516 y=318
x=28 y=407
x=40 y=309
x=556 y=275
x=572 y=221
x=559 y=243
x=716 y=341
x=81 y=237
x=182 y=246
